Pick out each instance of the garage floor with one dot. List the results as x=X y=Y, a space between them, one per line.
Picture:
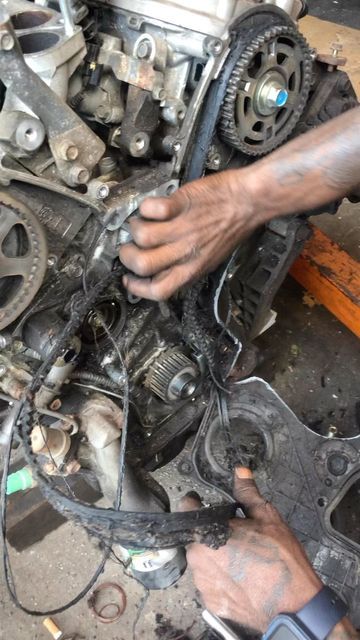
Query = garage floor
x=306 y=347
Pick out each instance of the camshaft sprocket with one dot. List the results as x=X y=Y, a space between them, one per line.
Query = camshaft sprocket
x=267 y=91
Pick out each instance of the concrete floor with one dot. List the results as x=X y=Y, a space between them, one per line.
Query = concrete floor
x=55 y=569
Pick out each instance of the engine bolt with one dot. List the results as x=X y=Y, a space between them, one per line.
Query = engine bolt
x=6 y=42
x=144 y=50
x=68 y=151
x=78 y=175
x=102 y=192
x=213 y=46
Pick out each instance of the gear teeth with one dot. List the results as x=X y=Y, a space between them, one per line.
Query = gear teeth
x=161 y=374
x=228 y=128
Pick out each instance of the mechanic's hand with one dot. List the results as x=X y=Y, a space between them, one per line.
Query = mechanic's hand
x=180 y=238
x=261 y=572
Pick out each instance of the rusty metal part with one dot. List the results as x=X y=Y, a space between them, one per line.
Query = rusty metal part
x=134 y=71
x=13 y=379
x=61 y=123
x=120 y=607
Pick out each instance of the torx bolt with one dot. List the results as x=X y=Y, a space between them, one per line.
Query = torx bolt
x=6 y=42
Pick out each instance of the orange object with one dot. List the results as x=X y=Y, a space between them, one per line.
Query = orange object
x=52 y=628
x=332 y=276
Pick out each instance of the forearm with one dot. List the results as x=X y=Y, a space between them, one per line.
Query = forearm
x=314 y=169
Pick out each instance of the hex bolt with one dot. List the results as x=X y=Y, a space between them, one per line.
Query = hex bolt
x=277 y=97
x=6 y=42
x=68 y=151
x=102 y=192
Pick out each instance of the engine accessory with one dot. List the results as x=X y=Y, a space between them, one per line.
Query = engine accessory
x=267 y=92
x=173 y=376
x=23 y=254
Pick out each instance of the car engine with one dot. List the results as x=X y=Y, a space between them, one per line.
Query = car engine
x=102 y=105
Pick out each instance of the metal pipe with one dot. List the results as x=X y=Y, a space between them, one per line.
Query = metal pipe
x=66 y=12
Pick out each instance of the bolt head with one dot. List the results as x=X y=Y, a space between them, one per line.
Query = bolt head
x=6 y=42
x=102 y=192
x=144 y=50
x=277 y=97
x=72 y=152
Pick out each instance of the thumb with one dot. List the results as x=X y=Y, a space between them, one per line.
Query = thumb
x=190 y=502
x=247 y=494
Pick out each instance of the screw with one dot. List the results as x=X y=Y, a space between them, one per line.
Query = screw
x=6 y=41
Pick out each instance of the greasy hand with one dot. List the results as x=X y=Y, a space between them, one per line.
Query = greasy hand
x=261 y=572
x=180 y=238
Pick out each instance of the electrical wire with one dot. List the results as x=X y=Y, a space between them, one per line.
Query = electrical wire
x=9 y=578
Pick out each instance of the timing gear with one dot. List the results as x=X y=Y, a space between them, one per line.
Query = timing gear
x=23 y=258
x=267 y=91
x=173 y=376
